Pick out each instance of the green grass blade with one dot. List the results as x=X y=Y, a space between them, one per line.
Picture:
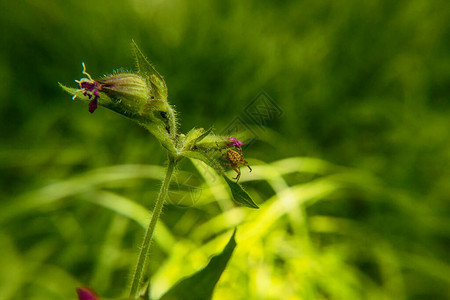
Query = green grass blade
x=200 y=285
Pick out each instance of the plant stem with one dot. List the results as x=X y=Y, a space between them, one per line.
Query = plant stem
x=173 y=122
x=136 y=283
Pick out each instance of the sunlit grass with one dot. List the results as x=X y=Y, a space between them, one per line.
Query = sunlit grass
x=290 y=248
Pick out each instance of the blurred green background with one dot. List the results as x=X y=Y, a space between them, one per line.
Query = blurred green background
x=353 y=178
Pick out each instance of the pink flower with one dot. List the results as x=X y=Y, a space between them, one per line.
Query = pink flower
x=90 y=88
x=86 y=294
x=236 y=143
x=131 y=88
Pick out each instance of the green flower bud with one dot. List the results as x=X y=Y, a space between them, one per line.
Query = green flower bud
x=127 y=90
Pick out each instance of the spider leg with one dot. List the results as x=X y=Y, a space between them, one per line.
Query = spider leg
x=221 y=151
x=240 y=151
x=245 y=163
x=237 y=169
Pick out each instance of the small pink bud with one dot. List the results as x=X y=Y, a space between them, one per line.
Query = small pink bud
x=86 y=294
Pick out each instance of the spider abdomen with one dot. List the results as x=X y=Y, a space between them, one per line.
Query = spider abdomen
x=234 y=156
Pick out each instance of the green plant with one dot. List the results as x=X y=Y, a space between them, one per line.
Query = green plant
x=143 y=97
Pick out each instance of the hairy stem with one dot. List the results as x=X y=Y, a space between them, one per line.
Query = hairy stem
x=137 y=278
x=173 y=122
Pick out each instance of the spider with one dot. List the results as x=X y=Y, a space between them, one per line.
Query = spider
x=235 y=159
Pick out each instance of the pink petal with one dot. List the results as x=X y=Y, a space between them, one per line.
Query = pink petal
x=86 y=294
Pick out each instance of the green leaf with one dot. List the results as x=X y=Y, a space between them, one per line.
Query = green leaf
x=145 y=292
x=194 y=136
x=71 y=91
x=203 y=135
x=74 y=92
x=200 y=285
x=207 y=159
x=210 y=141
x=146 y=70
x=240 y=196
